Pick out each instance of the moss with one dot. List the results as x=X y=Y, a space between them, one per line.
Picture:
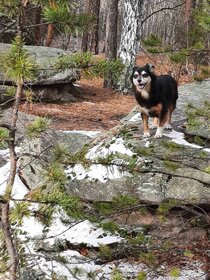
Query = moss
x=109 y=226
x=170 y=165
x=107 y=160
x=172 y=146
x=143 y=151
x=125 y=133
x=207 y=169
x=118 y=203
x=132 y=164
x=105 y=252
x=203 y=154
x=199 y=140
x=197 y=116
x=80 y=157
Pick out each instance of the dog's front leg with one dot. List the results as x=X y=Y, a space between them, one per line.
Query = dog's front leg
x=145 y=118
x=162 y=121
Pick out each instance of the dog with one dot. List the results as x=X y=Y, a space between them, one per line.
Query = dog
x=157 y=96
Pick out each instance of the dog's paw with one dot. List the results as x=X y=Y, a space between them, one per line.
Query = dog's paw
x=146 y=134
x=159 y=133
x=168 y=126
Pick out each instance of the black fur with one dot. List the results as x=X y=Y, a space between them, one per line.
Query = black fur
x=163 y=90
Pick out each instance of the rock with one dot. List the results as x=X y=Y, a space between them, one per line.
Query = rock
x=38 y=153
x=51 y=84
x=121 y=162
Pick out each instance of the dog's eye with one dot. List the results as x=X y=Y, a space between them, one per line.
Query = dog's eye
x=145 y=75
x=135 y=76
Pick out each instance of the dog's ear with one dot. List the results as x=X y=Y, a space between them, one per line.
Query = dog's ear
x=150 y=67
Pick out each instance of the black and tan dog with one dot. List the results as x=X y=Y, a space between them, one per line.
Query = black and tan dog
x=156 y=96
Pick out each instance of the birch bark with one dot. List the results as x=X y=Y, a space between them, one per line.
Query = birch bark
x=128 y=43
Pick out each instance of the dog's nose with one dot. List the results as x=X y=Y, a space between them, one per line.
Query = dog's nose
x=139 y=81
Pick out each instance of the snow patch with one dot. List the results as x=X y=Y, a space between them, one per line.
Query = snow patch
x=84 y=132
x=178 y=138
x=116 y=146
x=96 y=172
x=19 y=189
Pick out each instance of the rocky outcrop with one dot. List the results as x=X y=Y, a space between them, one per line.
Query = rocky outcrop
x=51 y=84
x=121 y=162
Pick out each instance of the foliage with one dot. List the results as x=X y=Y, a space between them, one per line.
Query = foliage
x=117 y=204
x=165 y=207
x=117 y=275
x=141 y=276
x=36 y=127
x=110 y=226
x=105 y=252
x=140 y=238
x=90 y=66
x=17 y=63
x=194 y=45
x=55 y=175
x=153 y=41
x=175 y=272
x=4 y=136
x=148 y=258
x=60 y=154
x=11 y=8
x=20 y=210
x=67 y=21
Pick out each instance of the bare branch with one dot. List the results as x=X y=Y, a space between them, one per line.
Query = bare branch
x=160 y=10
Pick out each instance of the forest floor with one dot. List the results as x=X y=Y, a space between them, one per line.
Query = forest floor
x=95 y=108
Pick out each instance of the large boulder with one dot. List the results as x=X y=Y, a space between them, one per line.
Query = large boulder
x=121 y=161
x=51 y=84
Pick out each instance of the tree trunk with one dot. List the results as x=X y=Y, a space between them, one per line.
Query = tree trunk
x=111 y=35
x=127 y=47
x=37 y=28
x=50 y=34
x=90 y=40
x=6 y=229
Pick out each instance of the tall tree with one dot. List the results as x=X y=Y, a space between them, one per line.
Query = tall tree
x=111 y=35
x=128 y=41
x=90 y=39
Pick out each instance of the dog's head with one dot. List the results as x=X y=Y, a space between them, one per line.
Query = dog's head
x=142 y=76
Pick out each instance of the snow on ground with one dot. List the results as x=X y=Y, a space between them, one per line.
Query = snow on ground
x=99 y=171
x=116 y=146
x=96 y=172
x=84 y=132
x=177 y=137
x=19 y=189
x=85 y=231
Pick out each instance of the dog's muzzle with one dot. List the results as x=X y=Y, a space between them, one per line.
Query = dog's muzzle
x=141 y=85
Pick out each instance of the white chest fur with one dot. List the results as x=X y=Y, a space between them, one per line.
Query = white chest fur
x=144 y=94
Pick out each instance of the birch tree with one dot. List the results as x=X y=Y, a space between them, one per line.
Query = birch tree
x=128 y=41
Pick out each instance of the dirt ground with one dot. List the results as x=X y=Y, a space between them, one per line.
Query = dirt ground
x=95 y=108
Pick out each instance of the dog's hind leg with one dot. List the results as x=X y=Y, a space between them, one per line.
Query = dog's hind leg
x=168 y=123
x=154 y=123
